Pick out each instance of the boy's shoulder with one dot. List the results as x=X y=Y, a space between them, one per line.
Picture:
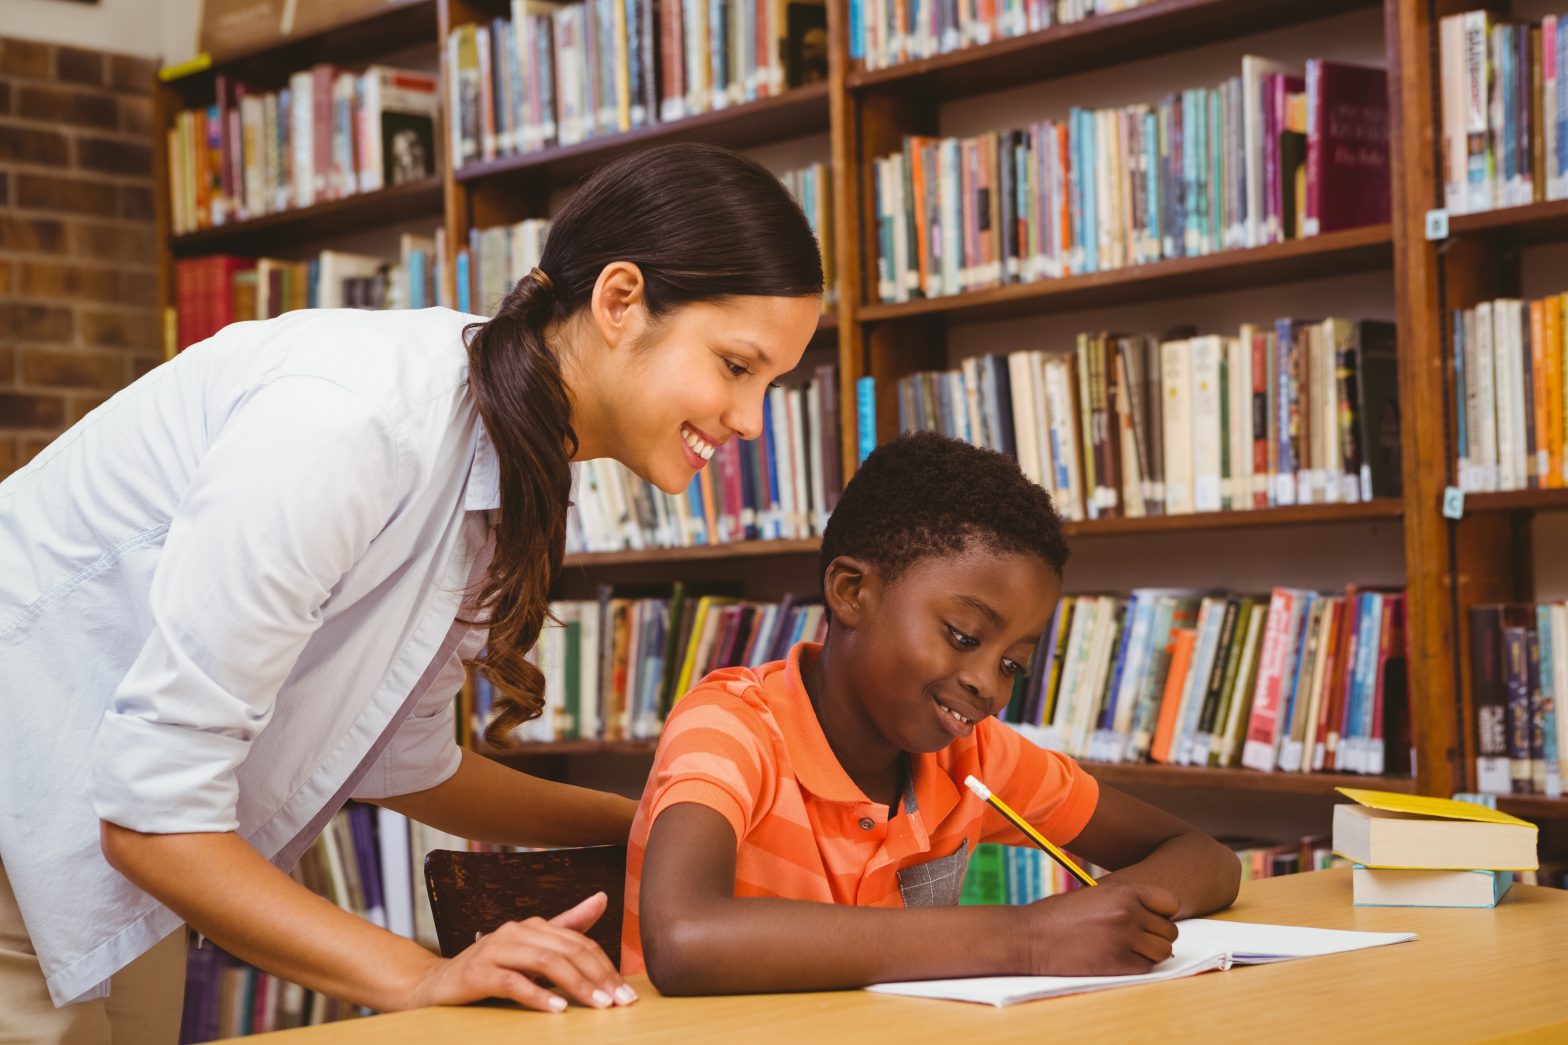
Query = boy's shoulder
x=738 y=695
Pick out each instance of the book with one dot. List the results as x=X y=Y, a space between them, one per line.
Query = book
x=1386 y=829
x=1422 y=887
x=1203 y=945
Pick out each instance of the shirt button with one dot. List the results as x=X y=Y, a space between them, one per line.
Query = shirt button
x=866 y=823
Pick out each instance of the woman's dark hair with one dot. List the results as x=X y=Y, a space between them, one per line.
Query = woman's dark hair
x=702 y=223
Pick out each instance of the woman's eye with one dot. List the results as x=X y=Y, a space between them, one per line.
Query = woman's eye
x=736 y=370
x=961 y=640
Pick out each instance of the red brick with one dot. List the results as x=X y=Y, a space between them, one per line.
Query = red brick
x=74 y=368
x=7 y=364
x=136 y=203
x=5 y=277
x=35 y=322
x=62 y=105
x=32 y=235
x=136 y=114
x=78 y=407
x=23 y=144
x=5 y=187
x=111 y=243
x=74 y=65
x=54 y=279
x=125 y=158
x=26 y=58
x=130 y=74
x=30 y=410
x=122 y=328
x=139 y=288
x=76 y=195
x=5 y=97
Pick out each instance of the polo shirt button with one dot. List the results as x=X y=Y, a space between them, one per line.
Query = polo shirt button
x=866 y=823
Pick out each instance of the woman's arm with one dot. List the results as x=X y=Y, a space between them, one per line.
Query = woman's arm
x=227 y=891
x=489 y=802
x=699 y=938
x=1151 y=847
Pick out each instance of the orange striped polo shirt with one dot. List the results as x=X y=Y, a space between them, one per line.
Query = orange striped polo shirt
x=746 y=743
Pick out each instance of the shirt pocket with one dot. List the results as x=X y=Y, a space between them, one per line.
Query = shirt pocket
x=935 y=883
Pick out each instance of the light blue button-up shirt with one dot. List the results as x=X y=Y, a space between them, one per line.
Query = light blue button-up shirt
x=217 y=592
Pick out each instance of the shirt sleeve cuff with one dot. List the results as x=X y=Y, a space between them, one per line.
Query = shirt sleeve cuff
x=162 y=778
x=703 y=793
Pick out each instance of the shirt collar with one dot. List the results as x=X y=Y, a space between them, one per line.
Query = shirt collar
x=818 y=768
x=483 y=492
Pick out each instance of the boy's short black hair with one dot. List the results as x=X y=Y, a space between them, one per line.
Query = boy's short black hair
x=924 y=494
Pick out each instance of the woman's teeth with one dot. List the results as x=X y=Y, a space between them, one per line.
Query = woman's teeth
x=699 y=446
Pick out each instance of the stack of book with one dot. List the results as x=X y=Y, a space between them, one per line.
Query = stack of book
x=1270 y=155
x=1300 y=412
x=898 y=31
x=328 y=133
x=1416 y=851
x=1519 y=666
x=213 y=291
x=557 y=74
x=615 y=665
x=1508 y=394
x=1503 y=110
x=1295 y=681
x=781 y=486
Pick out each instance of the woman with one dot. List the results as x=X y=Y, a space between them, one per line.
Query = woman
x=234 y=597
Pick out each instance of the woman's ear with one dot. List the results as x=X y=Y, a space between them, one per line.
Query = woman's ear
x=618 y=303
x=846 y=586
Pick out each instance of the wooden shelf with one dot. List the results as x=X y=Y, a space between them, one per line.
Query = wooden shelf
x=1531 y=224
x=1534 y=807
x=286 y=229
x=1317 y=257
x=795 y=114
x=1204 y=777
x=569 y=748
x=1104 y=40
x=733 y=550
x=1295 y=515
x=1517 y=501
x=397 y=26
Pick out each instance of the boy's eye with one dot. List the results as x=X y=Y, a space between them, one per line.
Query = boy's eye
x=961 y=640
x=1012 y=667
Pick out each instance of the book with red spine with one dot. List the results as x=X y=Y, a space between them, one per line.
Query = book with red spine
x=1347 y=147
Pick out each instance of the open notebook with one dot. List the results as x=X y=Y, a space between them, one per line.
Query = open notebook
x=1203 y=944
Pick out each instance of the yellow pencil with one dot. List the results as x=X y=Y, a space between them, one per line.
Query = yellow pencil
x=1029 y=832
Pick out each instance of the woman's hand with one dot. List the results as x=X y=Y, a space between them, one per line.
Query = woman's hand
x=504 y=963
x=1113 y=929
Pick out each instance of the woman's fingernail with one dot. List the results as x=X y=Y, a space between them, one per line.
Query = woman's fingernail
x=601 y=999
x=557 y=1003
x=625 y=995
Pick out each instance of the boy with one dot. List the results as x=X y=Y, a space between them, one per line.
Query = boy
x=806 y=825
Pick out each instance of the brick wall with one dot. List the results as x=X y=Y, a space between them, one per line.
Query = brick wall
x=78 y=246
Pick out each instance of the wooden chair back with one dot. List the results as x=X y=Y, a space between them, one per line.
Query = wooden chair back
x=479 y=892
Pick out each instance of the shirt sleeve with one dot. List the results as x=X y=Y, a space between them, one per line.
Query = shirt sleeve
x=287 y=497
x=715 y=752
x=1048 y=789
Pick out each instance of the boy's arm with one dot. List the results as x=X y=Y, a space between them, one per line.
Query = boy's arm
x=1152 y=847
x=699 y=938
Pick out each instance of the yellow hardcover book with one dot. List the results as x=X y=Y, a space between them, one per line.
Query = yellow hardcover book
x=1388 y=829
x=694 y=647
x=623 y=90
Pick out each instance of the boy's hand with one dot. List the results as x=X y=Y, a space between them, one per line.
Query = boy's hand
x=1113 y=929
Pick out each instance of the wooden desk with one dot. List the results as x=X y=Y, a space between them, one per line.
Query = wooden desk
x=1472 y=975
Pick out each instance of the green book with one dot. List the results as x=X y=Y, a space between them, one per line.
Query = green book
x=986 y=880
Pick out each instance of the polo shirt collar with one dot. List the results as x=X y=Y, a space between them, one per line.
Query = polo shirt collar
x=818 y=768
x=815 y=765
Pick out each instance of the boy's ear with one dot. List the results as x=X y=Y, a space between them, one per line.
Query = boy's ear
x=845 y=588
